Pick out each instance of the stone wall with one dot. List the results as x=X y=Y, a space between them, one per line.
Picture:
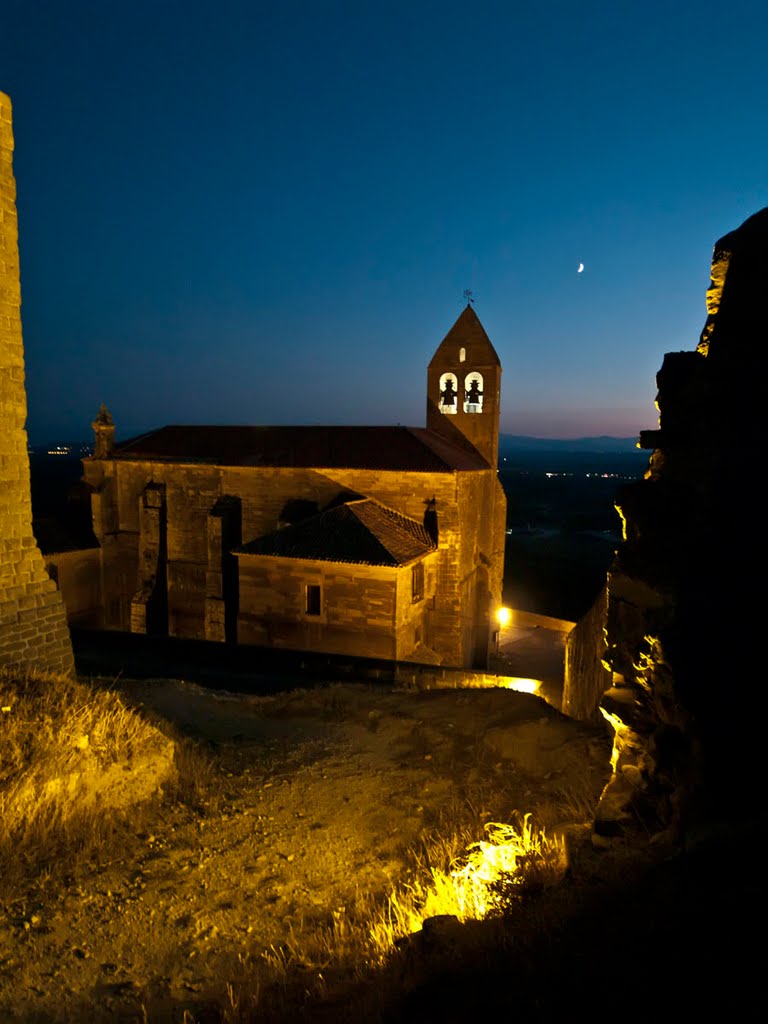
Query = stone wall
x=586 y=677
x=440 y=677
x=33 y=625
x=78 y=576
x=366 y=611
x=684 y=616
x=470 y=509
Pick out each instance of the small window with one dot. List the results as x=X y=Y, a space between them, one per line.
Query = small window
x=462 y=355
x=417 y=582
x=312 y=599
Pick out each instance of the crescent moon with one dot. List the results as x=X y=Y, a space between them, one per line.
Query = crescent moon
x=581 y=267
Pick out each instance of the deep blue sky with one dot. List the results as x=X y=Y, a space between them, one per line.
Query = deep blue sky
x=247 y=212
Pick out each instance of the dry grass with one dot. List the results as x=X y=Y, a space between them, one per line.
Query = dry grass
x=196 y=782
x=451 y=874
x=481 y=881
x=53 y=729
x=464 y=867
x=47 y=721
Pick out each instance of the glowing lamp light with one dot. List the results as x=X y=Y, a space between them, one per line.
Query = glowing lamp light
x=520 y=685
x=504 y=616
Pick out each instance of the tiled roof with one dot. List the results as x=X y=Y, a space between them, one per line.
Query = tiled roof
x=361 y=532
x=386 y=448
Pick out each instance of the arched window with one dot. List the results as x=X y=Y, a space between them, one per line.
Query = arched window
x=462 y=355
x=449 y=393
x=473 y=392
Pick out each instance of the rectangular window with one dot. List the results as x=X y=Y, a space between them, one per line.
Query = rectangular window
x=417 y=582
x=312 y=599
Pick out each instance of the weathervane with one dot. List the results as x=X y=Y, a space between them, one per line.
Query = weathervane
x=469 y=296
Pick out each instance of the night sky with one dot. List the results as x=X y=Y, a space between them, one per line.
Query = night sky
x=247 y=212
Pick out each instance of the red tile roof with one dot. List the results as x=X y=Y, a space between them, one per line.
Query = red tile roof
x=387 y=448
x=360 y=532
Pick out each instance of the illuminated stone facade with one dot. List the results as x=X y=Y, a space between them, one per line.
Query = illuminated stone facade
x=382 y=542
x=33 y=627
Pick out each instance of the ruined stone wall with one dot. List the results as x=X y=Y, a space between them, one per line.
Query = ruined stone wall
x=683 y=623
x=33 y=625
x=586 y=677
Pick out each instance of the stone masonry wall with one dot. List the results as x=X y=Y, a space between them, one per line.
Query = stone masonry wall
x=192 y=491
x=33 y=624
x=586 y=677
x=684 y=633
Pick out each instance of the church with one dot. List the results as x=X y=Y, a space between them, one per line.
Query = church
x=381 y=542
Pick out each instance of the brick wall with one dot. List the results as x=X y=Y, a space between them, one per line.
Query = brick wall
x=33 y=625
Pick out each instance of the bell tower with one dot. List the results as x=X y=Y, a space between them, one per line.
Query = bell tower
x=464 y=388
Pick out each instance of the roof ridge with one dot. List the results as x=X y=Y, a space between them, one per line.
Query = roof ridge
x=382 y=534
x=400 y=520
x=392 y=448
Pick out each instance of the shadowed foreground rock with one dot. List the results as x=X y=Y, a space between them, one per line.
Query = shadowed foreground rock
x=682 y=626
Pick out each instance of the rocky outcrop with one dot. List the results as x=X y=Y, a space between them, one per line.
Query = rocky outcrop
x=683 y=642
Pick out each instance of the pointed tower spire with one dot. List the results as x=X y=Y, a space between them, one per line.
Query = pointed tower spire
x=464 y=388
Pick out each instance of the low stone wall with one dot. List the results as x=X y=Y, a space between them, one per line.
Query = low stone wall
x=586 y=678
x=437 y=677
x=525 y=620
x=78 y=577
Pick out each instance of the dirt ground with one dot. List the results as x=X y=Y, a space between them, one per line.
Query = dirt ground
x=317 y=797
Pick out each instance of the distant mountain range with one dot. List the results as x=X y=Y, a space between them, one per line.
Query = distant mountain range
x=511 y=443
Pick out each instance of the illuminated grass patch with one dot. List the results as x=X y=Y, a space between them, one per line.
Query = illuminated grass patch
x=483 y=881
